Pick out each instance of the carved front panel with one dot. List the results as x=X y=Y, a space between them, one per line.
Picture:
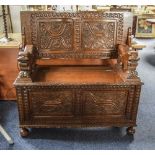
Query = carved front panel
x=98 y=35
x=105 y=103
x=55 y=35
x=77 y=105
x=51 y=103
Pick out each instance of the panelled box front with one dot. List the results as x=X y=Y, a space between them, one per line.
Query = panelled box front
x=45 y=106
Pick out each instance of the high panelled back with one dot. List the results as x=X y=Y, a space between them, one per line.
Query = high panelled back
x=76 y=35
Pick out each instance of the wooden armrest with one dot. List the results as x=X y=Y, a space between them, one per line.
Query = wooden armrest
x=123 y=55
x=28 y=50
x=128 y=58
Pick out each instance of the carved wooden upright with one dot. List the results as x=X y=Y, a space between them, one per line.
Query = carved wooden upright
x=77 y=70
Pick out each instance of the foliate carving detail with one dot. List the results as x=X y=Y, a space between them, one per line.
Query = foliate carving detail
x=51 y=103
x=75 y=19
x=26 y=62
x=132 y=65
x=56 y=35
x=105 y=102
x=98 y=35
x=84 y=15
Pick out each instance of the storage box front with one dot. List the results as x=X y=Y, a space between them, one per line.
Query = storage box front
x=85 y=106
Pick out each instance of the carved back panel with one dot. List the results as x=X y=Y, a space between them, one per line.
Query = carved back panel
x=81 y=34
x=55 y=35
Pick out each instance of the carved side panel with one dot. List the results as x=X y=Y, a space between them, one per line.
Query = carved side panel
x=51 y=103
x=98 y=35
x=55 y=34
x=105 y=103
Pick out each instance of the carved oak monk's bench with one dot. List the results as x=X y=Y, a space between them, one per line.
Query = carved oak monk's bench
x=77 y=70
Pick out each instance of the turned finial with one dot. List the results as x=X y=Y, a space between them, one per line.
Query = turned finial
x=129 y=40
x=23 y=38
x=4 y=21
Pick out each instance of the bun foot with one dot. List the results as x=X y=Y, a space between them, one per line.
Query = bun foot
x=130 y=130
x=24 y=132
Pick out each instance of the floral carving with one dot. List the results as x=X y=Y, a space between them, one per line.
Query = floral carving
x=105 y=103
x=56 y=35
x=67 y=32
x=56 y=102
x=98 y=35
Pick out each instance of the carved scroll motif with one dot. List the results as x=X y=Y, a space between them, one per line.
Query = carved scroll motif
x=106 y=103
x=52 y=102
x=98 y=35
x=72 y=37
x=56 y=35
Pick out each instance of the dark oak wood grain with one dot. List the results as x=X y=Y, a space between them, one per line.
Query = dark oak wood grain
x=77 y=70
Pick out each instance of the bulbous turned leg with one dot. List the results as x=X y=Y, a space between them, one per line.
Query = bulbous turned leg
x=24 y=132
x=130 y=130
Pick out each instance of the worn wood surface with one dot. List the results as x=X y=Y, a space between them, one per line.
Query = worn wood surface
x=77 y=70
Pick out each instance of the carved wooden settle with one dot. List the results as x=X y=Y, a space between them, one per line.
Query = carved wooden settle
x=77 y=70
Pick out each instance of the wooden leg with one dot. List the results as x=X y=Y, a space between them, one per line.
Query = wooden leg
x=130 y=130
x=24 y=132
